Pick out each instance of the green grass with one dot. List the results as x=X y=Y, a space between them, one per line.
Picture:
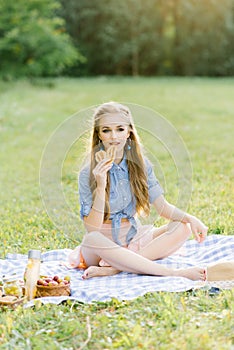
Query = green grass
x=202 y=112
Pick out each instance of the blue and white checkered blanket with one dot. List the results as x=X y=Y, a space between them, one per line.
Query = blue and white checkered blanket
x=124 y=285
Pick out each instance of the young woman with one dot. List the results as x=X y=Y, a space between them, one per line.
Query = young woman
x=117 y=185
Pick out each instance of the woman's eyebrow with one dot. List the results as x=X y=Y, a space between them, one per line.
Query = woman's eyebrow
x=108 y=127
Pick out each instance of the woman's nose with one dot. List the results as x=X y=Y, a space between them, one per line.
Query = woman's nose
x=113 y=134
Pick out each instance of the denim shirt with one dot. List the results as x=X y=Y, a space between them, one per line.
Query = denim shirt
x=122 y=201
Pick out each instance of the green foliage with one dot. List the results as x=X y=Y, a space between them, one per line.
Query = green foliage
x=123 y=37
x=108 y=37
x=153 y=37
x=204 y=37
x=33 y=41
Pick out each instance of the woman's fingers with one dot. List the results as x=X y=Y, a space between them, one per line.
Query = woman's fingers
x=102 y=168
x=100 y=171
x=103 y=162
x=200 y=233
x=198 y=228
x=103 y=165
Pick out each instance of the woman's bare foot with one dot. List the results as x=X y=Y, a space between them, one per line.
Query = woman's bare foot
x=98 y=271
x=193 y=273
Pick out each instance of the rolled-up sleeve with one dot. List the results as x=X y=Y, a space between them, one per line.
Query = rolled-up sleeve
x=85 y=194
x=154 y=188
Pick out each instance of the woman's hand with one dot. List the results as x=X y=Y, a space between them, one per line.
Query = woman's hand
x=199 y=230
x=100 y=172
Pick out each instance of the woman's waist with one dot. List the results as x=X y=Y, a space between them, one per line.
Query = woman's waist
x=123 y=227
x=109 y=221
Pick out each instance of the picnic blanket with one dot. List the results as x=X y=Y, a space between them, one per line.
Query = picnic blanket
x=126 y=286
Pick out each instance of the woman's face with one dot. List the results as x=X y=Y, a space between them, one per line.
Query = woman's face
x=114 y=130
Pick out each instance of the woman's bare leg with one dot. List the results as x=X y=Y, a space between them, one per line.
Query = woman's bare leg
x=167 y=240
x=158 y=231
x=98 y=271
x=96 y=245
x=153 y=250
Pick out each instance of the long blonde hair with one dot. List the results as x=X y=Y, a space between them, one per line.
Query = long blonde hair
x=134 y=158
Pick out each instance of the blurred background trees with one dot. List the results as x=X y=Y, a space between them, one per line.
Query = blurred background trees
x=109 y=37
x=33 y=41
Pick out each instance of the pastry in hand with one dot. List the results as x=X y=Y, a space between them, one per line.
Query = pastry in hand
x=100 y=155
x=111 y=153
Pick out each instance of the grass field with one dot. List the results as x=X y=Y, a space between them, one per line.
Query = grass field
x=202 y=112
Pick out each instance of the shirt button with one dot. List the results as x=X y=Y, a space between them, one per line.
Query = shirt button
x=118 y=168
x=125 y=198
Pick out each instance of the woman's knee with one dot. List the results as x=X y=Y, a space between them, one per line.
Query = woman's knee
x=92 y=238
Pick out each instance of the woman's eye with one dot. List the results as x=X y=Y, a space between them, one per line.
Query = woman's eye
x=121 y=129
x=105 y=131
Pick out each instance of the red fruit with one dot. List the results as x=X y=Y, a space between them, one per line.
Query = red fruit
x=45 y=283
x=48 y=279
x=65 y=282
x=40 y=281
x=56 y=278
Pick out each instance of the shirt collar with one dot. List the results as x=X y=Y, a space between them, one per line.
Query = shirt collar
x=122 y=165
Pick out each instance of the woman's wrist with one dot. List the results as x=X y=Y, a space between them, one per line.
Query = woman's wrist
x=187 y=218
x=101 y=187
x=100 y=193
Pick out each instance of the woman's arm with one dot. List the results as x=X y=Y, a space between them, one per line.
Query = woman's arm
x=94 y=220
x=173 y=213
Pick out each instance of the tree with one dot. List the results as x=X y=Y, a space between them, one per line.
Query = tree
x=204 y=32
x=153 y=37
x=33 y=41
x=117 y=37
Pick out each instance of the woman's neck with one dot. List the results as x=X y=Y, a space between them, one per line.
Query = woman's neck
x=119 y=157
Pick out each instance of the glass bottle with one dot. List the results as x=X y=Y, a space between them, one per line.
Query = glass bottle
x=32 y=273
x=11 y=286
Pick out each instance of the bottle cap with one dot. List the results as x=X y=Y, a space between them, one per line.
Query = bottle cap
x=34 y=254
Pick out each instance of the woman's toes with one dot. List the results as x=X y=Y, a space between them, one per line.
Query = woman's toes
x=88 y=273
x=91 y=271
x=85 y=276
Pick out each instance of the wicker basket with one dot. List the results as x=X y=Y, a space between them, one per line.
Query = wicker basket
x=53 y=291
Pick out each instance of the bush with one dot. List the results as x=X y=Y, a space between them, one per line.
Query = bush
x=33 y=41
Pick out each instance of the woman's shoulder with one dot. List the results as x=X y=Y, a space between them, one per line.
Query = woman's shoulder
x=84 y=171
x=147 y=162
